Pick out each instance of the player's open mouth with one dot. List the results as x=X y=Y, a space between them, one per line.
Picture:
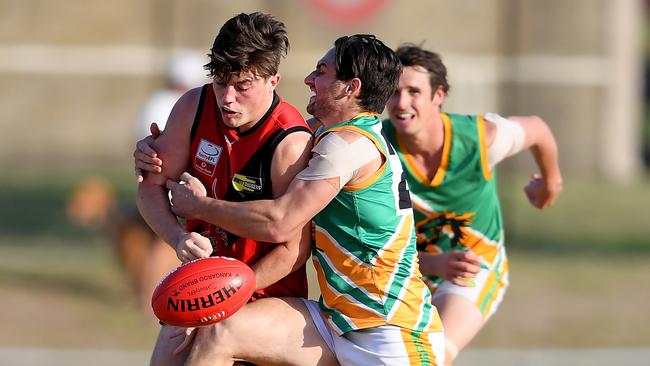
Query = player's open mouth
x=228 y=113
x=312 y=94
x=404 y=116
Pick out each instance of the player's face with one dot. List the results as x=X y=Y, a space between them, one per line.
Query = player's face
x=412 y=105
x=325 y=89
x=244 y=99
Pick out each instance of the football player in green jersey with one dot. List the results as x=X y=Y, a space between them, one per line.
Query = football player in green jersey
x=449 y=161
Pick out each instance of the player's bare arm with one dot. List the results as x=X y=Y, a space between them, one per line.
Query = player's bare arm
x=280 y=219
x=172 y=148
x=290 y=157
x=543 y=189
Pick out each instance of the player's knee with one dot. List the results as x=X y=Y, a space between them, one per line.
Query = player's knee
x=213 y=339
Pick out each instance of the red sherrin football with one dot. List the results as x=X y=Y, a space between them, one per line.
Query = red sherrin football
x=203 y=291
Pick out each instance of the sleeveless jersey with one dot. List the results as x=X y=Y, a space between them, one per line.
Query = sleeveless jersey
x=459 y=208
x=365 y=254
x=237 y=167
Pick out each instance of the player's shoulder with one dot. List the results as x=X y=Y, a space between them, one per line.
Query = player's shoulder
x=182 y=115
x=191 y=96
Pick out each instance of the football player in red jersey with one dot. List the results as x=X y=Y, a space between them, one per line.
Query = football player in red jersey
x=242 y=142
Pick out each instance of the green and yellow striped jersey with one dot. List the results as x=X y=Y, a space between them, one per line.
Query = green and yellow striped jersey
x=365 y=253
x=459 y=208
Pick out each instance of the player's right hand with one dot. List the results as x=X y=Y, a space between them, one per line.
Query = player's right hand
x=460 y=267
x=542 y=192
x=145 y=157
x=191 y=246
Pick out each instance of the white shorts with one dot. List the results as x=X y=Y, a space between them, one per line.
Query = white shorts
x=486 y=289
x=383 y=345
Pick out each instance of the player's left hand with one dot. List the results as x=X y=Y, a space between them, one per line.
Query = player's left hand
x=145 y=157
x=189 y=334
x=185 y=195
x=541 y=192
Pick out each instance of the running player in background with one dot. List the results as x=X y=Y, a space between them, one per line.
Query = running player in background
x=449 y=162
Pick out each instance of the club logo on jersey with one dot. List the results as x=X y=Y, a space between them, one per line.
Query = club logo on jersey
x=207 y=157
x=246 y=184
x=431 y=229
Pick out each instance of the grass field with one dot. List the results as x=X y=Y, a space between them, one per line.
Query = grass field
x=577 y=280
x=76 y=297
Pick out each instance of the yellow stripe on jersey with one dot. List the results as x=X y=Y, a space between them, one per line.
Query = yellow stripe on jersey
x=487 y=172
x=373 y=178
x=387 y=258
x=439 y=176
x=347 y=265
x=446 y=149
x=479 y=244
x=410 y=162
x=363 y=132
x=413 y=302
x=418 y=348
x=357 y=315
x=413 y=291
x=366 y=183
x=491 y=291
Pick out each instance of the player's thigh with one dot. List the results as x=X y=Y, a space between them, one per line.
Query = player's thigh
x=461 y=318
x=269 y=331
x=163 y=352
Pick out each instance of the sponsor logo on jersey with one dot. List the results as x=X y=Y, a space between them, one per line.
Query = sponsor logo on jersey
x=246 y=184
x=207 y=157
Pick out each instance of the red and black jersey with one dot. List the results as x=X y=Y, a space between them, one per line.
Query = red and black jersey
x=237 y=167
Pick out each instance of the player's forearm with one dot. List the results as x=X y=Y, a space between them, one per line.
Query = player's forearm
x=154 y=207
x=258 y=220
x=545 y=153
x=283 y=260
x=430 y=264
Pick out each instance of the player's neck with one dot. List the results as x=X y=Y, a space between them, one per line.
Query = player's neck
x=341 y=115
x=428 y=141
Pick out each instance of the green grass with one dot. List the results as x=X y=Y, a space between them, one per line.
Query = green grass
x=61 y=295
x=76 y=296
x=572 y=301
x=589 y=217
x=63 y=287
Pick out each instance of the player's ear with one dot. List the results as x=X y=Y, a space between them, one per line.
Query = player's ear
x=439 y=96
x=354 y=86
x=275 y=79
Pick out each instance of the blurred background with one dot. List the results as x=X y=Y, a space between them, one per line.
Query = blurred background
x=77 y=78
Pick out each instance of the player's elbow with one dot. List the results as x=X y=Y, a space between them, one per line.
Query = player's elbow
x=279 y=233
x=275 y=228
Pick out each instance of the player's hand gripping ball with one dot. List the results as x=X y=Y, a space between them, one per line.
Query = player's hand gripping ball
x=203 y=292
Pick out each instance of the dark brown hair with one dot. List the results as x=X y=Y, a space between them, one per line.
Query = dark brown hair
x=253 y=42
x=412 y=55
x=365 y=57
